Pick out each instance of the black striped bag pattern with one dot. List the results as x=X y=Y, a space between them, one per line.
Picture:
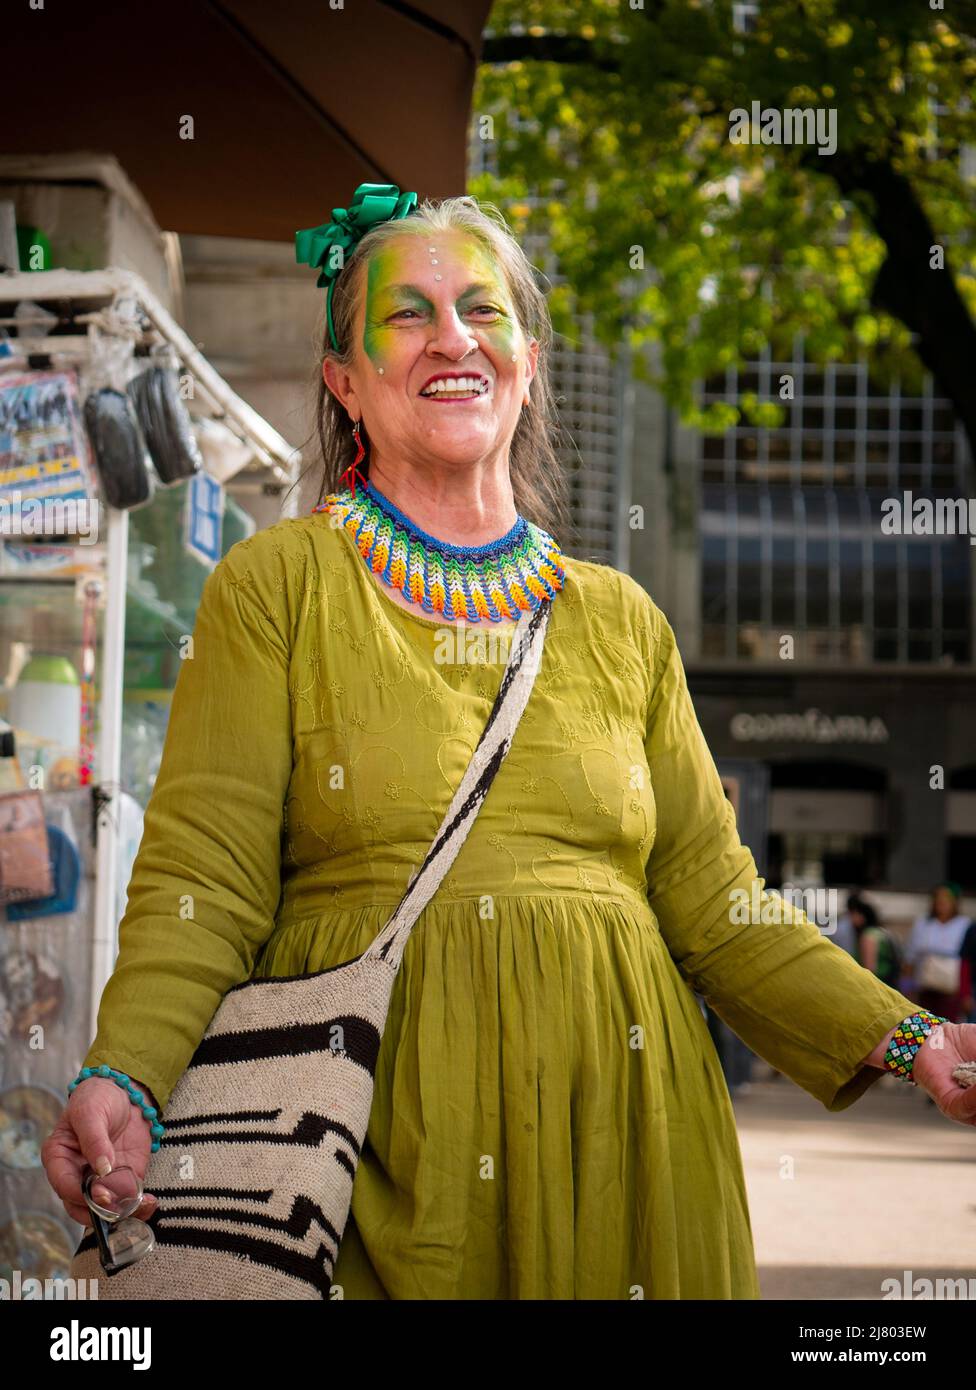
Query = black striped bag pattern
x=274 y=1106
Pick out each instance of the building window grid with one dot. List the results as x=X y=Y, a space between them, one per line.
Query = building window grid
x=895 y=436
x=867 y=570
x=861 y=424
x=765 y=386
x=800 y=511
x=938 y=596
x=796 y=415
x=908 y=639
x=901 y=590
x=583 y=379
x=732 y=580
x=833 y=575
x=731 y=389
x=766 y=559
x=866 y=398
x=830 y=433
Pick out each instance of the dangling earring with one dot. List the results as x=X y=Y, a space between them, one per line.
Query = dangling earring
x=353 y=468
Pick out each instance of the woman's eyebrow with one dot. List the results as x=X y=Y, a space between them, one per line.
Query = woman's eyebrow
x=480 y=287
x=404 y=291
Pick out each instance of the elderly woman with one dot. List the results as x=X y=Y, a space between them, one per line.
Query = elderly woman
x=549 y=1118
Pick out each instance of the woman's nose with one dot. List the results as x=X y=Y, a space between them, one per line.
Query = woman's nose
x=450 y=336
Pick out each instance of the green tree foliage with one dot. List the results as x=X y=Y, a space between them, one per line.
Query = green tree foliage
x=616 y=114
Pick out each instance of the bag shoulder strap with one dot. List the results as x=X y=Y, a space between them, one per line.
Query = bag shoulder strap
x=513 y=695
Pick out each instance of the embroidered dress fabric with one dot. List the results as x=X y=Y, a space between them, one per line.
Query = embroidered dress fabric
x=550 y=1119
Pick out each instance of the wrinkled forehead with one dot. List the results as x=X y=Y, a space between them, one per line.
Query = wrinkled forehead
x=413 y=254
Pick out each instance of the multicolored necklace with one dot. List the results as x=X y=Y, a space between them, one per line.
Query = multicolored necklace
x=477 y=582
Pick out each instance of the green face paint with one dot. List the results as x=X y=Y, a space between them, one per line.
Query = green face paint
x=396 y=303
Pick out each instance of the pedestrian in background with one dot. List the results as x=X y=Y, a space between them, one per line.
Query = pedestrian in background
x=933 y=960
x=845 y=936
x=874 y=946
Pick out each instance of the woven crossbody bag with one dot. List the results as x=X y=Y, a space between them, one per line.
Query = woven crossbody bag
x=264 y=1129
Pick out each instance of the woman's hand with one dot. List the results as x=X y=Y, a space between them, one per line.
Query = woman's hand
x=99 y=1128
x=932 y=1069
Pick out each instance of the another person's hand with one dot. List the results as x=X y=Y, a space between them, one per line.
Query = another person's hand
x=932 y=1069
x=99 y=1128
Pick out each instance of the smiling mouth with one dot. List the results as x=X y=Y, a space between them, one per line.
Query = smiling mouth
x=469 y=388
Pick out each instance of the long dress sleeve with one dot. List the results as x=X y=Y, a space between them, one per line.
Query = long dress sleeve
x=781 y=985
x=205 y=883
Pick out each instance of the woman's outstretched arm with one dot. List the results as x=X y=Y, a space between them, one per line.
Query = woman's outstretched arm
x=764 y=967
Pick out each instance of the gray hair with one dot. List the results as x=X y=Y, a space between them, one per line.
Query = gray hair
x=538 y=480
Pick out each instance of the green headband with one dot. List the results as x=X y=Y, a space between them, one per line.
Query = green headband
x=372 y=203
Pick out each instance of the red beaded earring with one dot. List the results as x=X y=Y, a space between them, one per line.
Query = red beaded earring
x=350 y=474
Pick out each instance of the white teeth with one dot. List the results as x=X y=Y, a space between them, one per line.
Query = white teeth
x=464 y=384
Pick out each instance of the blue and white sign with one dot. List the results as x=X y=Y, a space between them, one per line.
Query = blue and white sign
x=204 y=518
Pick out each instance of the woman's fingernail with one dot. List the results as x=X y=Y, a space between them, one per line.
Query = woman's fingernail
x=102 y=1166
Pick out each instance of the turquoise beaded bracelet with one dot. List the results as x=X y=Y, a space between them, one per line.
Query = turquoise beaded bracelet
x=132 y=1091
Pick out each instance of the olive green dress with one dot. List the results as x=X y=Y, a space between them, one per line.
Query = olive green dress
x=550 y=1118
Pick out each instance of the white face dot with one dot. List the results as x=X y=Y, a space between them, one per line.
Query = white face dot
x=438 y=277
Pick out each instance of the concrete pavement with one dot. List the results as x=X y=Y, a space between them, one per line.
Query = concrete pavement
x=841 y=1201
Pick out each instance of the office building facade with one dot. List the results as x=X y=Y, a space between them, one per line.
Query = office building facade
x=827 y=647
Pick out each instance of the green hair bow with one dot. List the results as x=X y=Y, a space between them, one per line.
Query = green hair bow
x=372 y=203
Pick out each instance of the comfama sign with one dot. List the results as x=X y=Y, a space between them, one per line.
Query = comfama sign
x=813 y=726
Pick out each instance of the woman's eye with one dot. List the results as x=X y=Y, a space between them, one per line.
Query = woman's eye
x=478 y=309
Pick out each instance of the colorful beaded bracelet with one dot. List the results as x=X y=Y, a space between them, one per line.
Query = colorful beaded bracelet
x=906 y=1040
x=132 y=1091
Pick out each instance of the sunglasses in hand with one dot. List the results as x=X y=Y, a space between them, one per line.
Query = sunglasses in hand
x=122 y=1238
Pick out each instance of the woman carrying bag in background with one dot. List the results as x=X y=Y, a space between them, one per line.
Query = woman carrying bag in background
x=933 y=957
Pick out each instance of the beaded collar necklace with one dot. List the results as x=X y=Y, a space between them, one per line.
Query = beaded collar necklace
x=477 y=582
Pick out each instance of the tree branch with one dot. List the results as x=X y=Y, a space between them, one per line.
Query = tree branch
x=547 y=48
x=927 y=301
